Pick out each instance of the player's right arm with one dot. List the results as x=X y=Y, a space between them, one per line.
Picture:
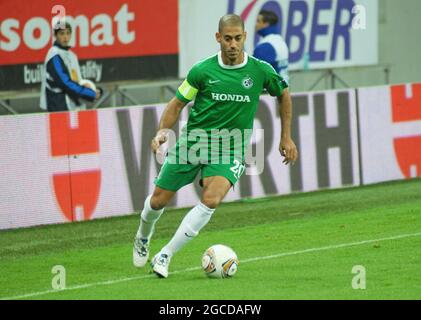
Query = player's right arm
x=168 y=119
x=185 y=93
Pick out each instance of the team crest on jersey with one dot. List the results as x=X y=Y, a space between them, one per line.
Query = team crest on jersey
x=247 y=82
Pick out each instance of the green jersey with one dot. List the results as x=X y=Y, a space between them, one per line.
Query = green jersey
x=225 y=98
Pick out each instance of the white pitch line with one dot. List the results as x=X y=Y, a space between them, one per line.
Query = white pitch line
x=337 y=246
x=110 y=282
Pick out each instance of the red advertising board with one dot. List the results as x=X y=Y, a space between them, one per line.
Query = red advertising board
x=101 y=29
x=390 y=122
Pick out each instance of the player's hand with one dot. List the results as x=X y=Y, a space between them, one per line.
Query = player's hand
x=288 y=150
x=160 y=138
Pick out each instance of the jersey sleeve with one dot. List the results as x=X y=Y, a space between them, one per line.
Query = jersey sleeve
x=274 y=83
x=187 y=91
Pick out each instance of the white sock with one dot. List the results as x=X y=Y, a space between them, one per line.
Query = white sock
x=189 y=228
x=148 y=218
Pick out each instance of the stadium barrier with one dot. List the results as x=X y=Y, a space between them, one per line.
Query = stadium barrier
x=75 y=166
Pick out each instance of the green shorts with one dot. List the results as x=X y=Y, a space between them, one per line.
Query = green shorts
x=175 y=176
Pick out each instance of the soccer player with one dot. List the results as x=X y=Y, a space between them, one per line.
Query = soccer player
x=271 y=47
x=226 y=89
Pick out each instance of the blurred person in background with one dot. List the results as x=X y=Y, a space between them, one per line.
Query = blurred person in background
x=60 y=87
x=271 y=47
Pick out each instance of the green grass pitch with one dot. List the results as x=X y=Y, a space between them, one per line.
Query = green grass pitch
x=300 y=246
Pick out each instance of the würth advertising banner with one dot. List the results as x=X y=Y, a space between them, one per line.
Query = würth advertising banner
x=74 y=166
x=120 y=39
x=390 y=121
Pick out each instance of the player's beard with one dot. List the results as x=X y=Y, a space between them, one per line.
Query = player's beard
x=234 y=56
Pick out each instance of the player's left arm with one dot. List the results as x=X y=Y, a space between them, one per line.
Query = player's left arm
x=287 y=146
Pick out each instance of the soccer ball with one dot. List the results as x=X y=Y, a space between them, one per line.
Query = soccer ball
x=87 y=83
x=220 y=261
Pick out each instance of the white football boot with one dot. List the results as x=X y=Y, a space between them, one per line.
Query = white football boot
x=160 y=264
x=140 y=252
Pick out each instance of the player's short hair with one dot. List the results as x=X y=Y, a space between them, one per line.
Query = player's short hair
x=58 y=27
x=269 y=17
x=230 y=20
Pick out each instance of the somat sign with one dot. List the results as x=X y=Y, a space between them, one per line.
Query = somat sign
x=120 y=28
